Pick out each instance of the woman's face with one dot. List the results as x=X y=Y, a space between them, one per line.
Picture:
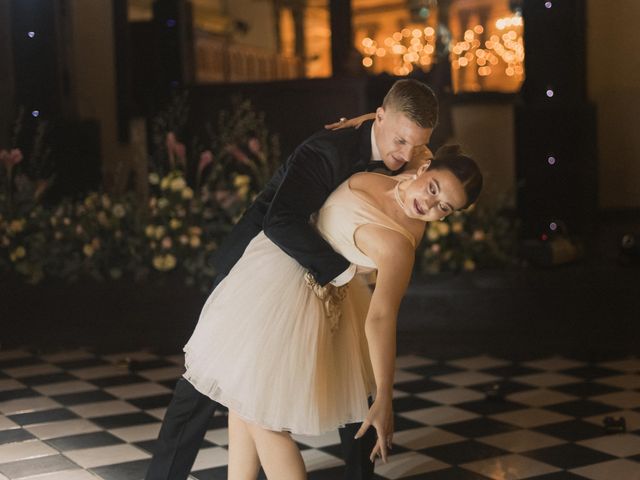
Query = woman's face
x=434 y=194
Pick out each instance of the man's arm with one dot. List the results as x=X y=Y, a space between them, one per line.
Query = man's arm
x=313 y=172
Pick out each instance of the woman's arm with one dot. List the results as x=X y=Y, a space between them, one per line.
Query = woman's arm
x=350 y=122
x=394 y=257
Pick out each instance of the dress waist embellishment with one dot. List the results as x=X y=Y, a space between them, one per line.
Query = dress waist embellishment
x=331 y=298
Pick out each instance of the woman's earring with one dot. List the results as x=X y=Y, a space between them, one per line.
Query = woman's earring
x=414 y=176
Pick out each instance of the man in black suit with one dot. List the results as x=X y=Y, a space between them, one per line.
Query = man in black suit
x=402 y=127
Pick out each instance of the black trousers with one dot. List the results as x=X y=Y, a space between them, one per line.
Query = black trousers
x=185 y=424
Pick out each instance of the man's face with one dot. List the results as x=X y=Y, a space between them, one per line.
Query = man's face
x=398 y=137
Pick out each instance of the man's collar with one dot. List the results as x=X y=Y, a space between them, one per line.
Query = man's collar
x=375 y=152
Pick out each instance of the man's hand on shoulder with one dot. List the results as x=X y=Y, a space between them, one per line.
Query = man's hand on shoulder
x=421 y=156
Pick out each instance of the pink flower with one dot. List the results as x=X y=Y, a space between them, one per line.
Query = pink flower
x=206 y=158
x=11 y=158
x=238 y=154
x=170 y=141
x=15 y=156
x=181 y=152
x=226 y=198
x=254 y=145
x=41 y=187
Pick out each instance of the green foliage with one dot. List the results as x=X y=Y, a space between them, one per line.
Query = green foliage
x=466 y=240
x=174 y=231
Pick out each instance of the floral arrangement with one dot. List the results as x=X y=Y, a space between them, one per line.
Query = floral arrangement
x=469 y=239
x=174 y=230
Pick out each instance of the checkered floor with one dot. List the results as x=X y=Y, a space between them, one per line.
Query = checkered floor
x=75 y=415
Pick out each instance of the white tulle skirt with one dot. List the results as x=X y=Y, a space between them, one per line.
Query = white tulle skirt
x=264 y=348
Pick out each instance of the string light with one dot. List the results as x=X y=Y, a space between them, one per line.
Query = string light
x=508 y=48
x=550 y=93
x=409 y=47
x=551 y=160
x=31 y=34
x=413 y=47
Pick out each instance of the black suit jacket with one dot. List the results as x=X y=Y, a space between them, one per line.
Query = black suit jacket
x=297 y=190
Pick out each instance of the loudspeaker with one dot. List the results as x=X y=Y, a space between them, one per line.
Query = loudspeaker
x=41 y=75
x=555 y=56
x=556 y=168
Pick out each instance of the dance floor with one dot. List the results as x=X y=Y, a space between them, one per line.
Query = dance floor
x=76 y=415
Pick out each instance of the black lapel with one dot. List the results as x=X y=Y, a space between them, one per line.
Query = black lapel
x=365 y=144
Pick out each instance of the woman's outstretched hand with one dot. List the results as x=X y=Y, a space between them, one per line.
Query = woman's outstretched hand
x=350 y=122
x=381 y=418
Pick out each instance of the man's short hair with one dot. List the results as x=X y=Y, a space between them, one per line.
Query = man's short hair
x=414 y=99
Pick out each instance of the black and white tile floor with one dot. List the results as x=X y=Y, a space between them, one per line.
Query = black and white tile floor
x=75 y=415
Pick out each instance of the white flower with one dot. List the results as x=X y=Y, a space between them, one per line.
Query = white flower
x=178 y=184
x=241 y=181
x=102 y=218
x=88 y=250
x=164 y=262
x=175 y=224
x=469 y=265
x=170 y=262
x=119 y=210
x=16 y=226
x=160 y=231
x=194 y=242
x=443 y=228
x=154 y=178
x=18 y=253
x=187 y=193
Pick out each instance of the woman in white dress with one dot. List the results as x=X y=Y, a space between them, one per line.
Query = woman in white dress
x=287 y=356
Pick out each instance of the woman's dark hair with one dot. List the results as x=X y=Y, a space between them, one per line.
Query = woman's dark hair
x=452 y=158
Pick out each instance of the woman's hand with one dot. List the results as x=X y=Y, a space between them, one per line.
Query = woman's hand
x=381 y=418
x=350 y=122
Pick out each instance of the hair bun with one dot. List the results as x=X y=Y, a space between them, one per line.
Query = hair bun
x=449 y=150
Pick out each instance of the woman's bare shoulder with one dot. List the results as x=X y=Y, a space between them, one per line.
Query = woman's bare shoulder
x=366 y=181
